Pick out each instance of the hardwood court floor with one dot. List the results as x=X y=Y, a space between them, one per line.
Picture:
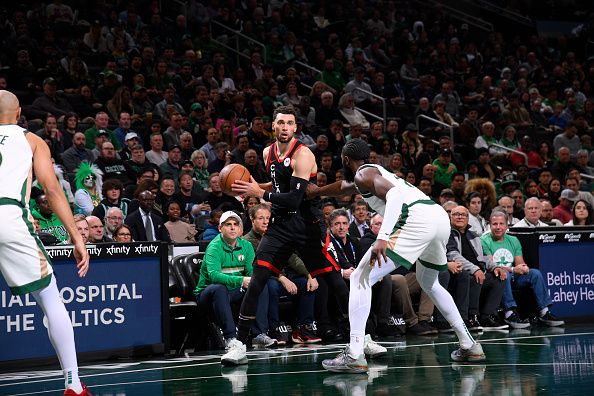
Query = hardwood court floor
x=557 y=361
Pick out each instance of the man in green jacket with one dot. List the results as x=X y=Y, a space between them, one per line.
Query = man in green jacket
x=224 y=277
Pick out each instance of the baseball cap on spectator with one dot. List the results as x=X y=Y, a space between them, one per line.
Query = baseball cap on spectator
x=102 y=132
x=139 y=88
x=454 y=40
x=533 y=91
x=131 y=135
x=445 y=151
x=230 y=215
x=448 y=192
x=49 y=80
x=195 y=107
x=186 y=162
x=359 y=69
x=569 y=195
x=177 y=146
x=493 y=103
x=109 y=74
x=482 y=150
x=464 y=26
x=508 y=179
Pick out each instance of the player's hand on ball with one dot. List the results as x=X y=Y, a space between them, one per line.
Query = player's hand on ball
x=251 y=188
x=378 y=253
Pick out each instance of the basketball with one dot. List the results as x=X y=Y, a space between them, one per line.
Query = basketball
x=229 y=174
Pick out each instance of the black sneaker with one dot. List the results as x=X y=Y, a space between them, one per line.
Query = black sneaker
x=281 y=338
x=384 y=330
x=492 y=322
x=443 y=327
x=549 y=320
x=331 y=335
x=515 y=322
x=421 y=329
x=473 y=324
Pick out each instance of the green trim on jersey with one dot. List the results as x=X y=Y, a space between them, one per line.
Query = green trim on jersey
x=31 y=287
x=31 y=229
x=395 y=257
x=437 y=267
x=24 y=192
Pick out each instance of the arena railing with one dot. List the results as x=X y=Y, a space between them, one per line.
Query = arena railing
x=438 y=122
x=236 y=35
x=502 y=147
x=383 y=100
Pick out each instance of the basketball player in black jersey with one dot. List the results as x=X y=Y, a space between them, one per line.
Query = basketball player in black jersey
x=295 y=224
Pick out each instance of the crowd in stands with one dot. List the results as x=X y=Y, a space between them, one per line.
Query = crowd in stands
x=142 y=107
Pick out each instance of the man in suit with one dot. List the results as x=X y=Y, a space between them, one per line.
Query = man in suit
x=145 y=225
x=359 y=225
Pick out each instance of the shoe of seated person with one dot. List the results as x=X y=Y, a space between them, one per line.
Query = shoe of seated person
x=515 y=322
x=236 y=353
x=549 y=320
x=384 y=330
x=473 y=354
x=372 y=349
x=304 y=334
x=344 y=363
x=262 y=340
x=421 y=329
x=492 y=322
x=473 y=324
x=281 y=339
x=443 y=327
x=71 y=392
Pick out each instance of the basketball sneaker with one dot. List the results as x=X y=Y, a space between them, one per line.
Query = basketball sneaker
x=473 y=354
x=372 y=349
x=344 y=363
x=71 y=392
x=262 y=340
x=236 y=353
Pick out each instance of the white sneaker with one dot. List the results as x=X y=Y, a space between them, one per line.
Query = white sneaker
x=262 y=340
x=372 y=349
x=235 y=354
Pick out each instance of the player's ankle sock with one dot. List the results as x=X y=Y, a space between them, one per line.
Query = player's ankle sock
x=243 y=328
x=356 y=345
x=71 y=380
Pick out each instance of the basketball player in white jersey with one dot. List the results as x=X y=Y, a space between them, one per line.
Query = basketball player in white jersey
x=415 y=230
x=23 y=260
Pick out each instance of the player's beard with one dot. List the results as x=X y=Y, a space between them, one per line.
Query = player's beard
x=349 y=175
x=283 y=139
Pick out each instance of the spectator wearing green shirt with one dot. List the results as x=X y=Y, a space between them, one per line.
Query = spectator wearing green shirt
x=445 y=169
x=224 y=277
x=505 y=251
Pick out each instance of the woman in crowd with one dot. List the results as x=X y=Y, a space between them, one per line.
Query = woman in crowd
x=582 y=214
x=201 y=173
x=531 y=189
x=385 y=152
x=226 y=84
x=291 y=96
x=122 y=233
x=352 y=116
x=474 y=203
x=121 y=101
x=69 y=128
x=395 y=165
x=486 y=190
x=554 y=192
x=545 y=150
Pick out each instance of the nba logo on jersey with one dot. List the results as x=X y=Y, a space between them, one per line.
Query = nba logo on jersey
x=287 y=162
